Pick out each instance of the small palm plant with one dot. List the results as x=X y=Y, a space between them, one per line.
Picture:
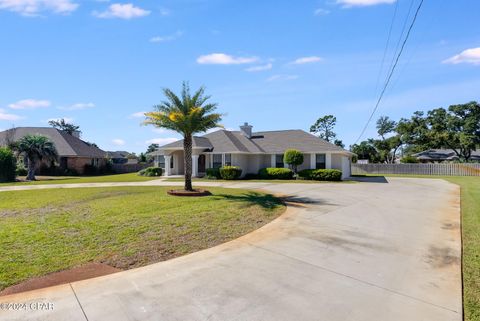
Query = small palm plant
x=35 y=148
x=187 y=115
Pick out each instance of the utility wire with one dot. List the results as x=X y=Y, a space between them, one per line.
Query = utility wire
x=386 y=47
x=391 y=71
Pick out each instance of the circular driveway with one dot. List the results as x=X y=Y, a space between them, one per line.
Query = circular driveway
x=385 y=250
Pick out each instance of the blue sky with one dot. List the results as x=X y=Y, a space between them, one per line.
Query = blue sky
x=276 y=64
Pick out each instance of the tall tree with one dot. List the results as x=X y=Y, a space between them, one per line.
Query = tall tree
x=187 y=115
x=35 y=148
x=365 y=150
x=385 y=126
x=63 y=125
x=324 y=126
x=152 y=147
x=387 y=147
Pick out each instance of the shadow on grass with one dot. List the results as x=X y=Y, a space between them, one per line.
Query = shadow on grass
x=368 y=179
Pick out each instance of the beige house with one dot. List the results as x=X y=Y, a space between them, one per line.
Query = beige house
x=252 y=151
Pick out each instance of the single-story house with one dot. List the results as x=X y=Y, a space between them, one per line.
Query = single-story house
x=252 y=151
x=73 y=152
x=122 y=157
x=442 y=155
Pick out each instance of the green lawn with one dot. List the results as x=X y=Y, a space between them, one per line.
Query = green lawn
x=43 y=231
x=272 y=181
x=130 y=177
x=470 y=203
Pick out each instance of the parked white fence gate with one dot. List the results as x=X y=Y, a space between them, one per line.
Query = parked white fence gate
x=450 y=169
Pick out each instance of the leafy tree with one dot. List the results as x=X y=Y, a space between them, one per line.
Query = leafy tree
x=339 y=143
x=36 y=148
x=142 y=158
x=187 y=115
x=293 y=158
x=92 y=144
x=324 y=126
x=385 y=126
x=365 y=150
x=7 y=165
x=62 y=125
x=152 y=147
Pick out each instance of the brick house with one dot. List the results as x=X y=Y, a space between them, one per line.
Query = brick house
x=74 y=153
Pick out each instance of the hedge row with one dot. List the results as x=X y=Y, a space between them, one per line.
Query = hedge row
x=151 y=171
x=321 y=174
x=8 y=165
x=275 y=173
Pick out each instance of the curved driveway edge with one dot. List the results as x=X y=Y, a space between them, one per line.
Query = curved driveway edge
x=366 y=251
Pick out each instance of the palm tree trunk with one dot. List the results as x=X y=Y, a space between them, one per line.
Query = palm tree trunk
x=31 y=170
x=187 y=151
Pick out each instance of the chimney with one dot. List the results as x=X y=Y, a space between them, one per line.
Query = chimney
x=246 y=130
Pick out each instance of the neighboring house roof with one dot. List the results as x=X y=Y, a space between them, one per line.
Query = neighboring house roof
x=268 y=142
x=442 y=155
x=118 y=154
x=66 y=145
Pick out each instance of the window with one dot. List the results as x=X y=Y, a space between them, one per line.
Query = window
x=217 y=160
x=279 y=161
x=228 y=159
x=171 y=161
x=161 y=161
x=320 y=161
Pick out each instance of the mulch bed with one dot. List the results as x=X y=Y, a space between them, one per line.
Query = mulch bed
x=83 y=272
x=182 y=192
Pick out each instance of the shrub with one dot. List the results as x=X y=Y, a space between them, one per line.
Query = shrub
x=409 y=159
x=230 y=172
x=213 y=173
x=321 y=174
x=151 y=171
x=21 y=170
x=90 y=169
x=8 y=165
x=275 y=173
x=293 y=158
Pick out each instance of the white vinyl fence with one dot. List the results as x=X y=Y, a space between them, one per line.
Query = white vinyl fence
x=450 y=169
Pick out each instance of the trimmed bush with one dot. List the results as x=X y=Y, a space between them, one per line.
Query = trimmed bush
x=213 y=173
x=293 y=158
x=275 y=173
x=230 y=172
x=21 y=170
x=8 y=165
x=321 y=174
x=151 y=172
x=409 y=159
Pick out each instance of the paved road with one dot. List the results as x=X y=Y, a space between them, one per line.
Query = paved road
x=366 y=251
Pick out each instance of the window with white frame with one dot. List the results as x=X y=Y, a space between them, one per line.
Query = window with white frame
x=228 y=159
x=161 y=161
x=320 y=161
x=217 y=160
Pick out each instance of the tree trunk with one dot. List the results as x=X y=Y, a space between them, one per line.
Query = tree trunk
x=187 y=151
x=31 y=170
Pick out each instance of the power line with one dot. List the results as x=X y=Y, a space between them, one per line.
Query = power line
x=391 y=71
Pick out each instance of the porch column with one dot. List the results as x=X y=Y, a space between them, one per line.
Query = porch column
x=167 y=165
x=273 y=161
x=328 y=160
x=194 y=165
x=313 y=161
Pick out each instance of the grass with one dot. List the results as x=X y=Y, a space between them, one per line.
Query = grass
x=470 y=204
x=41 y=180
x=44 y=231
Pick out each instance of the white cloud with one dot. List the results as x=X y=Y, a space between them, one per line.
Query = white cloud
x=30 y=104
x=321 y=12
x=33 y=8
x=363 y=3
x=118 y=142
x=7 y=116
x=122 y=11
x=164 y=12
x=139 y=114
x=161 y=141
x=306 y=60
x=78 y=106
x=259 y=68
x=224 y=59
x=67 y=119
x=470 y=56
x=171 y=37
x=282 y=77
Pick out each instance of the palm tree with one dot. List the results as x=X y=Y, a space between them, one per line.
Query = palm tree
x=35 y=148
x=186 y=115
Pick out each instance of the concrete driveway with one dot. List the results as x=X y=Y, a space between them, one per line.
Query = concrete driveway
x=365 y=251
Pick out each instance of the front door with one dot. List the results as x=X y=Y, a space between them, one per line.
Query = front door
x=201 y=163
